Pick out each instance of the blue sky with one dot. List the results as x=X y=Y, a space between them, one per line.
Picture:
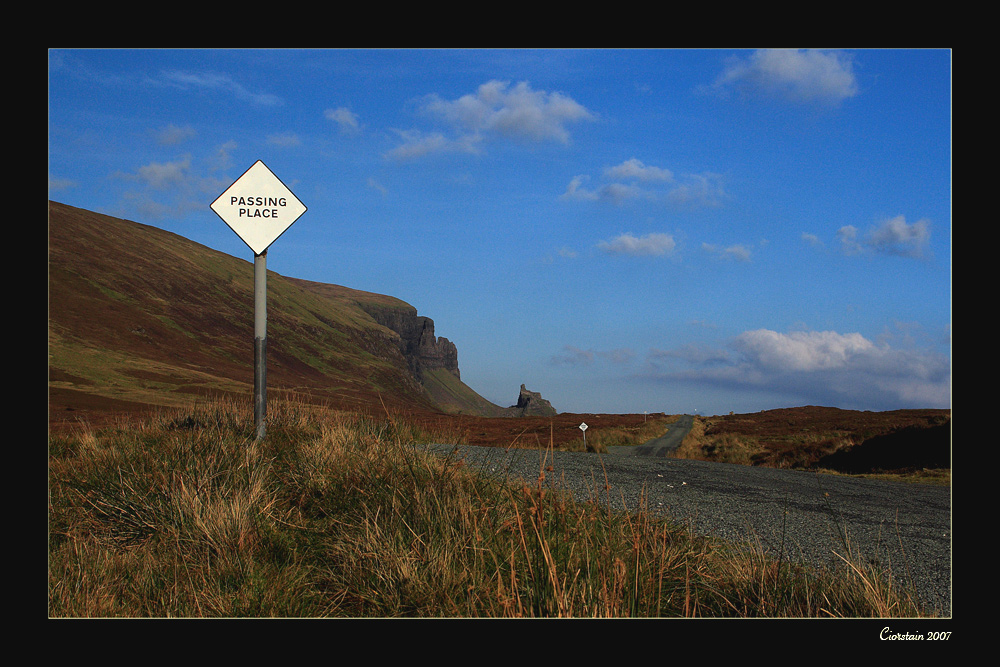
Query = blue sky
x=621 y=230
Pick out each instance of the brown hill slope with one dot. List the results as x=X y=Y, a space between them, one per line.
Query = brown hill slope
x=845 y=440
x=142 y=317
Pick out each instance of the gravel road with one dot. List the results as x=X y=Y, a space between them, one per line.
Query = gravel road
x=905 y=526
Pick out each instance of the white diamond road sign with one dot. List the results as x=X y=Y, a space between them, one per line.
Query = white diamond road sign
x=258 y=207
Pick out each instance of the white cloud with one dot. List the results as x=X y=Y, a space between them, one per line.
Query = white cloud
x=171 y=135
x=819 y=367
x=737 y=252
x=634 y=180
x=573 y=356
x=616 y=193
x=800 y=350
x=635 y=170
x=575 y=189
x=701 y=190
x=519 y=112
x=285 y=139
x=793 y=74
x=651 y=244
x=60 y=183
x=212 y=81
x=222 y=159
x=174 y=188
x=848 y=236
x=619 y=192
x=375 y=185
x=495 y=111
x=896 y=237
x=163 y=175
x=345 y=119
x=417 y=145
x=893 y=237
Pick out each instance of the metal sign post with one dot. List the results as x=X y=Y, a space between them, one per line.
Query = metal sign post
x=583 y=427
x=259 y=208
x=259 y=342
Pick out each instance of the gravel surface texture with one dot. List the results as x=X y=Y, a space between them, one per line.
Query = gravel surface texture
x=906 y=527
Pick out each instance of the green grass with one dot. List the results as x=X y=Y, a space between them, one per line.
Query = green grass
x=337 y=515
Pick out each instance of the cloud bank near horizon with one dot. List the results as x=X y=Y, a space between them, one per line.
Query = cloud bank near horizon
x=820 y=367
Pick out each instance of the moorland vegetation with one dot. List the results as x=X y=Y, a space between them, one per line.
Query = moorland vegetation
x=334 y=514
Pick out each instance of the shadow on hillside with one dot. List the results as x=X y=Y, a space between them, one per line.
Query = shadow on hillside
x=909 y=449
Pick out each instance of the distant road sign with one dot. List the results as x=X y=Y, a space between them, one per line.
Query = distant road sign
x=258 y=207
x=583 y=427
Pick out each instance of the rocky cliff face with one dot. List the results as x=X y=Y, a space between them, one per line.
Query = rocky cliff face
x=426 y=353
x=531 y=404
x=418 y=344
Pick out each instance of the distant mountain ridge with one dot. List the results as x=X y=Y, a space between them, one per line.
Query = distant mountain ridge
x=141 y=316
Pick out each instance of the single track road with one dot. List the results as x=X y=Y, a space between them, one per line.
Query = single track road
x=811 y=517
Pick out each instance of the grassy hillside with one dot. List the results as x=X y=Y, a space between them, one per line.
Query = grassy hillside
x=143 y=317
